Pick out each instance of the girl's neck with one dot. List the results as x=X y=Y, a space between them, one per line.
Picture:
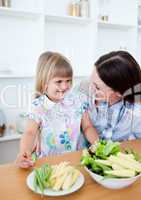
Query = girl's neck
x=54 y=101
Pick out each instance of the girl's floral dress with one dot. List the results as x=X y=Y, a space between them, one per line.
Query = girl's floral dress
x=60 y=123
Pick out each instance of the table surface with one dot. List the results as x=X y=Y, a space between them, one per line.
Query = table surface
x=13 y=181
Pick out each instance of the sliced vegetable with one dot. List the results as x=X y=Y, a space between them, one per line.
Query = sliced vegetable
x=34 y=157
x=121 y=173
x=106 y=159
x=56 y=177
x=133 y=165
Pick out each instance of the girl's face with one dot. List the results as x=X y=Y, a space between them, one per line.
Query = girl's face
x=102 y=91
x=57 y=87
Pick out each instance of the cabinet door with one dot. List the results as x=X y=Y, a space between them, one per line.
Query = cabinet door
x=20 y=46
x=9 y=151
x=139 y=34
x=119 y=30
x=75 y=42
x=119 y=12
x=139 y=46
x=112 y=39
x=75 y=37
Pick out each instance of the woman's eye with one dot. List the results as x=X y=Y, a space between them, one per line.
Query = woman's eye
x=96 y=87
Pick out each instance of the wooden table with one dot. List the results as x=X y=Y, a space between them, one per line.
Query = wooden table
x=13 y=182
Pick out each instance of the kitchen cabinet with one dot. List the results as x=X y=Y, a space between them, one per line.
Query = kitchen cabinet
x=30 y=27
x=139 y=33
x=117 y=26
x=9 y=147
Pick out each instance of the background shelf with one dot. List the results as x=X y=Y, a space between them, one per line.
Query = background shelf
x=19 y=13
x=14 y=136
x=114 y=25
x=67 y=19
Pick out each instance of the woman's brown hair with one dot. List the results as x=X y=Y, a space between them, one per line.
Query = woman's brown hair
x=121 y=72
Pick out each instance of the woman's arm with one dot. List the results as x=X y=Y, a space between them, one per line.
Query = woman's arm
x=89 y=131
x=26 y=145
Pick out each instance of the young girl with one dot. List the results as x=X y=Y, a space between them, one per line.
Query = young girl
x=57 y=117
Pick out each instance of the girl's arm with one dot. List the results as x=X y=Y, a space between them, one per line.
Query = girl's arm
x=89 y=131
x=26 y=145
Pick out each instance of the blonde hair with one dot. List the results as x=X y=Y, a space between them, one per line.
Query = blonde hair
x=50 y=65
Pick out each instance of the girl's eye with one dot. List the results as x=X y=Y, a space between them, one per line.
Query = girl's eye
x=69 y=81
x=59 y=82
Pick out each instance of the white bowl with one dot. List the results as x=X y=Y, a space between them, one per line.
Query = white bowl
x=112 y=183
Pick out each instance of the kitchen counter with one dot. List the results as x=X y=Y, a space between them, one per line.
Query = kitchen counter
x=9 y=137
x=13 y=182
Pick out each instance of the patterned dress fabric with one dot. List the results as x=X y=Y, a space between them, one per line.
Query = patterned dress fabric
x=60 y=123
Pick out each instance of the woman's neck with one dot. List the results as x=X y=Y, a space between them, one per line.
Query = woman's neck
x=114 y=101
x=110 y=102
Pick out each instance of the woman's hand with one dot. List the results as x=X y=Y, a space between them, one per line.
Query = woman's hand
x=24 y=160
x=89 y=130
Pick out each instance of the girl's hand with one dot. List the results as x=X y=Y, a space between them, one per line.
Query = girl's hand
x=37 y=145
x=24 y=160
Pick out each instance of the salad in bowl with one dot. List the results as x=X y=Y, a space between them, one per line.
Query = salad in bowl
x=108 y=165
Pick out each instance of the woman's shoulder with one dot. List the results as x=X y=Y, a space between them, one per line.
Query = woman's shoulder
x=133 y=106
x=132 y=111
x=137 y=110
x=137 y=105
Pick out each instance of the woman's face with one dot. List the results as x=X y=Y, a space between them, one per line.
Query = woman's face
x=102 y=91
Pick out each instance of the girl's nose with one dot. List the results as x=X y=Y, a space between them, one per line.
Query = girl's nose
x=65 y=85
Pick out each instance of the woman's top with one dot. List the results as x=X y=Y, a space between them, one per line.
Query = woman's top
x=120 y=121
x=60 y=122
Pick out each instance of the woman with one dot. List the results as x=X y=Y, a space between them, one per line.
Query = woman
x=114 y=97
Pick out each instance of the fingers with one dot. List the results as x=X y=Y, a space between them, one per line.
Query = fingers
x=27 y=155
x=25 y=164
x=24 y=160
